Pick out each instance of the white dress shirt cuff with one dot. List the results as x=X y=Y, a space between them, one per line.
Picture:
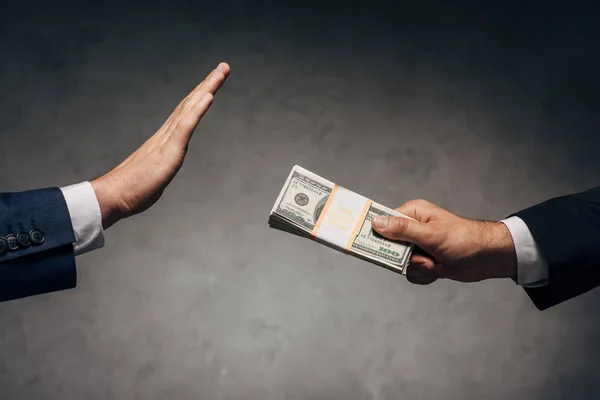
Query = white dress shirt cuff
x=86 y=217
x=532 y=269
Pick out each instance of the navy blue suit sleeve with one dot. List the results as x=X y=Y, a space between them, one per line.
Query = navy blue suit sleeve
x=33 y=269
x=567 y=231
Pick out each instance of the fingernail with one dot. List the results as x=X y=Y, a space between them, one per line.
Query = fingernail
x=380 y=222
x=426 y=268
x=221 y=66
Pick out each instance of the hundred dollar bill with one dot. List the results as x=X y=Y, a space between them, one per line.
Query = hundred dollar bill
x=313 y=207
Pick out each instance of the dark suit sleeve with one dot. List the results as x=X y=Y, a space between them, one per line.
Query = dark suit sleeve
x=567 y=231
x=36 y=268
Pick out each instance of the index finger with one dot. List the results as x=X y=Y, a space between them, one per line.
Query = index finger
x=419 y=209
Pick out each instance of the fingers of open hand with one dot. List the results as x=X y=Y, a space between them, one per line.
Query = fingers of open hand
x=214 y=80
x=186 y=125
x=211 y=84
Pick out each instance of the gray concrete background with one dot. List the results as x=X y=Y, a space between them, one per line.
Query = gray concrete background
x=482 y=110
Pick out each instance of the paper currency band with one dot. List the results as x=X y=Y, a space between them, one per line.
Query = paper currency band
x=325 y=209
x=341 y=218
x=358 y=225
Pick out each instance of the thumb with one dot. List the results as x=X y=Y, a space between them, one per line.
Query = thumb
x=400 y=228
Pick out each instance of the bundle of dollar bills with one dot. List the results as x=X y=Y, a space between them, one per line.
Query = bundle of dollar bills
x=313 y=207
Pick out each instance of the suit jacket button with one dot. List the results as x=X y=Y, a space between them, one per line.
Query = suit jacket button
x=3 y=246
x=12 y=242
x=23 y=240
x=36 y=236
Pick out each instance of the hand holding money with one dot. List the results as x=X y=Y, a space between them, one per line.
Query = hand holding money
x=311 y=206
x=449 y=246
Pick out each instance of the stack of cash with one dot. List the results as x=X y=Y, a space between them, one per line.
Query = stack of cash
x=313 y=207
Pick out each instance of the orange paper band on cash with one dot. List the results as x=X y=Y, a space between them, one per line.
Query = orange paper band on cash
x=342 y=218
x=359 y=223
x=325 y=209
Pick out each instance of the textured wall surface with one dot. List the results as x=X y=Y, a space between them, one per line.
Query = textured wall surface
x=482 y=110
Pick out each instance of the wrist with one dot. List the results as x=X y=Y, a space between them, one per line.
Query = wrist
x=497 y=250
x=107 y=200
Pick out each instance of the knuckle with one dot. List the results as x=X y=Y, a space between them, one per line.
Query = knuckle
x=427 y=242
x=398 y=224
x=432 y=240
x=421 y=203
